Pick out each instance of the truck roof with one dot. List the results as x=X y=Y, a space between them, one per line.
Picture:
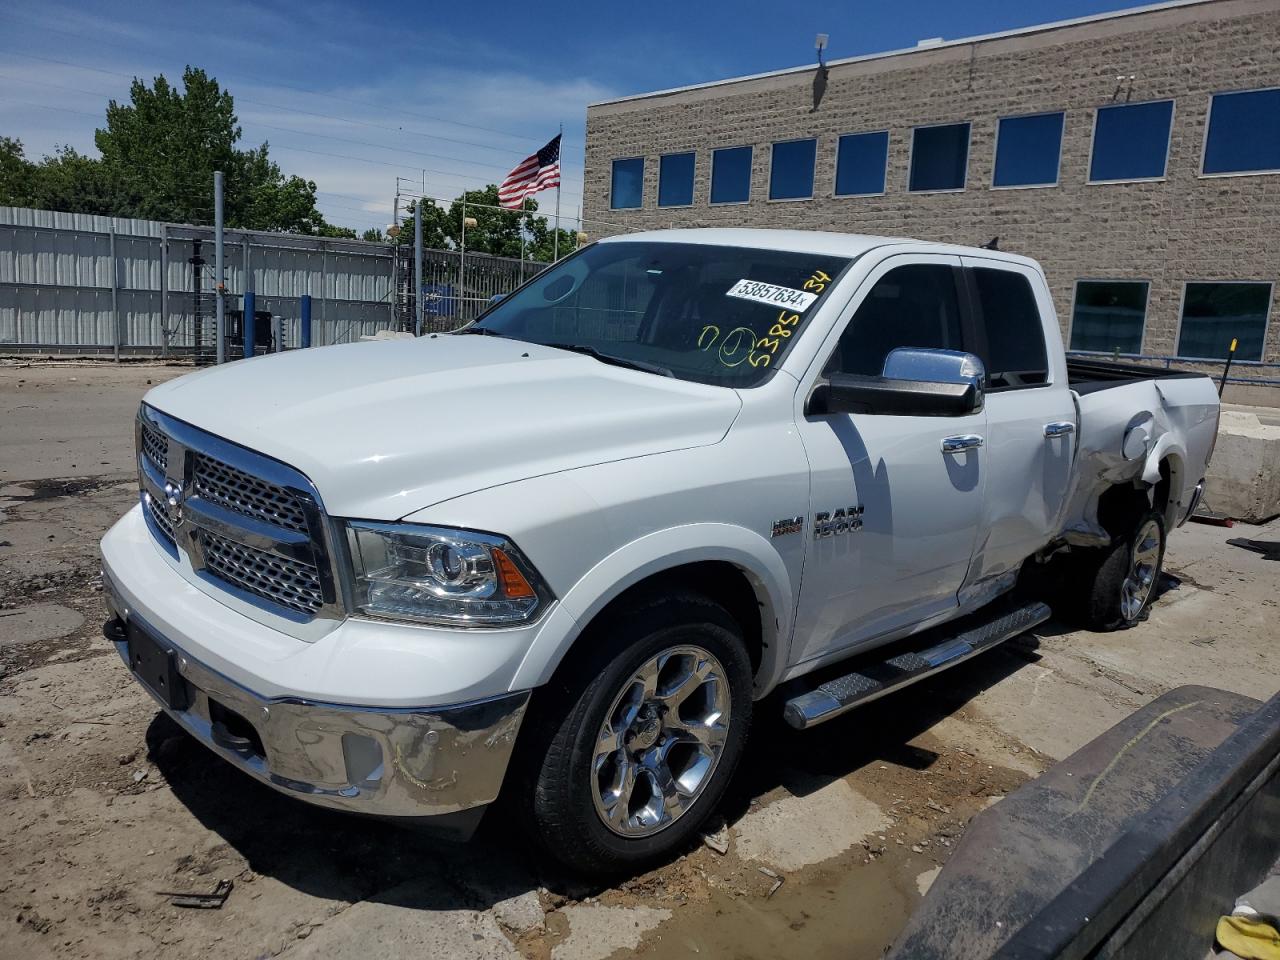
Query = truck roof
x=808 y=241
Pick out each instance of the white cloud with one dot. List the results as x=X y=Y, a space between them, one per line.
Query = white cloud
x=266 y=59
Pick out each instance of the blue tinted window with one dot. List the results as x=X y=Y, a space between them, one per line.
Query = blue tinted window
x=675 y=180
x=1108 y=316
x=939 y=156
x=1131 y=141
x=860 y=161
x=791 y=176
x=628 y=183
x=1244 y=132
x=1213 y=314
x=731 y=175
x=1027 y=150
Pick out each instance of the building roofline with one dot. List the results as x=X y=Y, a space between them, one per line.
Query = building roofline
x=1019 y=32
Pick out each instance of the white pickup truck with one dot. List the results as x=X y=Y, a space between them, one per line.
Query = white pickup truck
x=563 y=551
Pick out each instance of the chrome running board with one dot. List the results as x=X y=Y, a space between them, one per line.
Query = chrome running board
x=873 y=680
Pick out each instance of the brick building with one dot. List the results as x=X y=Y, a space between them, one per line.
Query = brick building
x=1135 y=154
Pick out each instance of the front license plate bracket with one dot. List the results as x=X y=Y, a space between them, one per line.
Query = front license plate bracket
x=156 y=666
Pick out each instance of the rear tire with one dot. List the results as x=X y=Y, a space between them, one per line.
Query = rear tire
x=631 y=749
x=1118 y=584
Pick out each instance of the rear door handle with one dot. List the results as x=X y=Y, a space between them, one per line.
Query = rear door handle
x=1059 y=428
x=966 y=441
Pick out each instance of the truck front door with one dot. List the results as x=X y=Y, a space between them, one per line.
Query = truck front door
x=892 y=516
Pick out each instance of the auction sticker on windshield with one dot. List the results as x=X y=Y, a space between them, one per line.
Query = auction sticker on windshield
x=771 y=294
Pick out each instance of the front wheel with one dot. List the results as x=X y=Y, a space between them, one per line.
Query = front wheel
x=1120 y=582
x=636 y=745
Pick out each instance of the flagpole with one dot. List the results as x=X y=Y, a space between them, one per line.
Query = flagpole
x=555 y=242
x=523 y=237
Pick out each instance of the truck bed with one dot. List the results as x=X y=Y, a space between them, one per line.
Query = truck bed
x=1089 y=376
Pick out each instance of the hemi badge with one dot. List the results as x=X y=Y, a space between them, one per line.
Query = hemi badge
x=787 y=525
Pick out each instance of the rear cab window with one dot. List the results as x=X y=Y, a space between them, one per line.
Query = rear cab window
x=1010 y=330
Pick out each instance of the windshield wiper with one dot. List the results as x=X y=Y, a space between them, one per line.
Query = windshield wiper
x=478 y=331
x=611 y=359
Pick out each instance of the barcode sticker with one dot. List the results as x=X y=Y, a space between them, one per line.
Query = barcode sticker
x=799 y=300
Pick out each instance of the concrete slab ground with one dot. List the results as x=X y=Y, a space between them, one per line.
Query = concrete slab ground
x=596 y=930
x=808 y=827
x=403 y=923
x=832 y=835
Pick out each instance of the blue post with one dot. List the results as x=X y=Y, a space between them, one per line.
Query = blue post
x=306 y=319
x=248 y=323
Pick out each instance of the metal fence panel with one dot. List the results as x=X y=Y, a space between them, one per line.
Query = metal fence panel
x=57 y=274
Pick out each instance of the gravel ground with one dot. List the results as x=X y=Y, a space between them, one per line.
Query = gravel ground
x=106 y=805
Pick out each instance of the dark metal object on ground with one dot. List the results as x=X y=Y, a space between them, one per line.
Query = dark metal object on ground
x=1207 y=517
x=1132 y=847
x=202 y=901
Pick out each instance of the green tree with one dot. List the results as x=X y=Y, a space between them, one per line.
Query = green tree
x=436 y=233
x=373 y=235
x=496 y=231
x=163 y=147
x=16 y=172
x=67 y=181
x=543 y=247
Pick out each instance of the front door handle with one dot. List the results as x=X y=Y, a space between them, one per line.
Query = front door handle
x=1060 y=428
x=966 y=441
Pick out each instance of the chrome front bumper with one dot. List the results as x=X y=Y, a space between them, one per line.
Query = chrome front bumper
x=442 y=763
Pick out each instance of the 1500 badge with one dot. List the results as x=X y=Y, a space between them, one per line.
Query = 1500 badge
x=844 y=520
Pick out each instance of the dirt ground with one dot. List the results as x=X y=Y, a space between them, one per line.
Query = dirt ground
x=830 y=836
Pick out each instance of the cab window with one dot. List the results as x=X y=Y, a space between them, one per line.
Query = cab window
x=1014 y=351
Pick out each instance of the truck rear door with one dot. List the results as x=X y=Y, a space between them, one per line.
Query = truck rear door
x=1031 y=416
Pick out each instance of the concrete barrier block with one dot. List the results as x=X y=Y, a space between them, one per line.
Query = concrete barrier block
x=1244 y=479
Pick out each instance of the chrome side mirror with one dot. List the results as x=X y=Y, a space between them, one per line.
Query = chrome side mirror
x=914 y=382
x=953 y=368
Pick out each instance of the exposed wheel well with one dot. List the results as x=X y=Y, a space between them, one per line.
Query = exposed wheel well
x=720 y=581
x=1120 y=506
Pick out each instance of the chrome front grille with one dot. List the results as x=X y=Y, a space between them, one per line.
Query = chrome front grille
x=246 y=523
x=245 y=494
x=288 y=583
x=155 y=447
x=155 y=509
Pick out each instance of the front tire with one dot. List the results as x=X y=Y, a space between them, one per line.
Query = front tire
x=1120 y=582
x=636 y=744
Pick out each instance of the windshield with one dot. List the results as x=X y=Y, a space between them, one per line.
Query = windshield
x=711 y=314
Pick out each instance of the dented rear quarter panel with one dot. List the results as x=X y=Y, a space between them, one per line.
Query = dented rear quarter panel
x=1176 y=419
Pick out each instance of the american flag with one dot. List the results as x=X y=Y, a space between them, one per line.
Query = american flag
x=538 y=171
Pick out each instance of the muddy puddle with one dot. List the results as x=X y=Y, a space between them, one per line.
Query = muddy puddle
x=846 y=911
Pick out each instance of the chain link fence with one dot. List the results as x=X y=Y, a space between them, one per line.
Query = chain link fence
x=455 y=288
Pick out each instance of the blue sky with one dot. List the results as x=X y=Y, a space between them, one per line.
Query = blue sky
x=354 y=95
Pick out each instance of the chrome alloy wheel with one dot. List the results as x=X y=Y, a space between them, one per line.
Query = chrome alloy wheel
x=1141 y=579
x=661 y=741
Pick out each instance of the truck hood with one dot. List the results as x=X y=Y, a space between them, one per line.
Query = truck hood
x=389 y=427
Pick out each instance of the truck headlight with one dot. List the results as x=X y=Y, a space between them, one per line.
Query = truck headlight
x=458 y=578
